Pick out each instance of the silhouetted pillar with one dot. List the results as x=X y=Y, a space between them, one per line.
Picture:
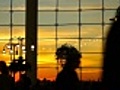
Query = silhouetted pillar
x=31 y=38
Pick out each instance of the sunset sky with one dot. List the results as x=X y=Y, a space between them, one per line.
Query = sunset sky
x=88 y=37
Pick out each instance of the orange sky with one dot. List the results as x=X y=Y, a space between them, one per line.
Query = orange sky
x=48 y=64
x=46 y=48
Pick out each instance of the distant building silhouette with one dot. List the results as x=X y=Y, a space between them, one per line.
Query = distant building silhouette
x=111 y=56
x=67 y=79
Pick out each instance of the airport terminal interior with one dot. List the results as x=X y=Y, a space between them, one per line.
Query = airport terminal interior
x=48 y=24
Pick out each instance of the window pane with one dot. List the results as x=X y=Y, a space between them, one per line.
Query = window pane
x=4 y=18
x=68 y=31
x=47 y=4
x=18 y=4
x=51 y=76
x=109 y=14
x=18 y=31
x=93 y=4
x=4 y=56
x=46 y=32
x=63 y=17
x=46 y=52
x=91 y=16
x=112 y=4
x=4 y=32
x=91 y=74
x=71 y=5
x=106 y=30
x=4 y=4
x=74 y=42
x=46 y=46
x=46 y=17
x=91 y=45
x=91 y=60
x=19 y=18
x=91 y=31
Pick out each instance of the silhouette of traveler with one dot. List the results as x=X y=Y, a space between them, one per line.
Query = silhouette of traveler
x=111 y=56
x=24 y=83
x=6 y=81
x=67 y=79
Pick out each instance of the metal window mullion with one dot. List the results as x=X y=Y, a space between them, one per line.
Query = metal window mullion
x=56 y=30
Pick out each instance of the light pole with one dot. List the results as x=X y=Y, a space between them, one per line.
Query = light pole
x=15 y=48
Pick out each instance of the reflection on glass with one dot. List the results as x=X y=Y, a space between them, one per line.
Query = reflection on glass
x=91 y=45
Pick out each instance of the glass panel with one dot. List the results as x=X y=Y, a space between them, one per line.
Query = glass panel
x=47 y=4
x=111 y=4
x=46 y=17
x=46 y=50
x=93 y=4
x=68 y=31
x=106 y=29
x=91 y=31
x=18 y=31
x=68 y=17
x=73 y=42
x=71 y=5
x=91 y=16
x=4 y=4
x=4 y=18
x=109 y=14
x=47 y=73
x=91 y=45
x=19 y=18
x=18 y=4
x=46 y=32
x=4 y=32
x=91 y=60
x=91 y=74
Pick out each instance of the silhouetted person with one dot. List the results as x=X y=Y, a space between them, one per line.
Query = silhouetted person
x=6 y=81
x=111 y=57
x=24 y=83
x=67 y=79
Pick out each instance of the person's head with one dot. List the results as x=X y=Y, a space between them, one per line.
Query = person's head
x=3 y=67
x=117 y=15
x=70 y=54
x=118 y=12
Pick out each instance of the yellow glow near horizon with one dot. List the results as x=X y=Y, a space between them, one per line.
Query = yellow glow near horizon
x=46 y=56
